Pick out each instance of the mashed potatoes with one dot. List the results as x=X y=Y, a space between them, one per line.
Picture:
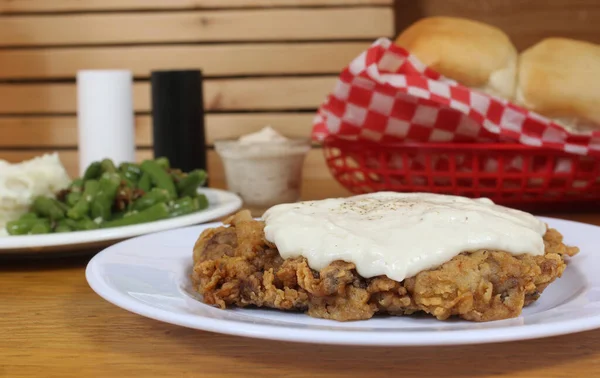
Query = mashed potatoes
x=20 y=183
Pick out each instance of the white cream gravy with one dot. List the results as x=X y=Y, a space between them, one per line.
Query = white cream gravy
x=398 y=234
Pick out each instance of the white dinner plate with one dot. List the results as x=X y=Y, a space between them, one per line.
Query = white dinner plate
x=149 y=276
x=221 y=203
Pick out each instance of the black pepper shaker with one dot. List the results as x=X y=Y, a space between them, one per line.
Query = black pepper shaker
x=178 y=118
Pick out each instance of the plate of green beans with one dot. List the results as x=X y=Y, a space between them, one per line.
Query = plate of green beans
x=109 y=203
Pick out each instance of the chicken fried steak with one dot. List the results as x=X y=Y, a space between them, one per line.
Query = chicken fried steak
x=234 y=265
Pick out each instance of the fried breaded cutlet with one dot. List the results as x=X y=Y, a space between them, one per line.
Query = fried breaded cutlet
x=236 y=266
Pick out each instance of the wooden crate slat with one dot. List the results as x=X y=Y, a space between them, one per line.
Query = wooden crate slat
x=61 y=131
x=15 y=6
x=228 y=94
x=197 y=26
x=214 y=60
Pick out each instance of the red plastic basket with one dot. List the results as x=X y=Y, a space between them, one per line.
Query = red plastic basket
x=513 y=175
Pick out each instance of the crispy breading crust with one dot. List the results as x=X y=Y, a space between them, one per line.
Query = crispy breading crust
x=236 y=266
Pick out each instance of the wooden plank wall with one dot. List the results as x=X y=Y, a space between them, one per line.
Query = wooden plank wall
x=266 y=62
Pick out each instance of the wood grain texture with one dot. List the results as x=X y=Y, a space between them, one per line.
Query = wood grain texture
x=214 y=60
x=314 y=164
x=61 y=131
x=58 y=327
x=283 y=93
x=198 y=26
x=16 y=6
x=525 y=21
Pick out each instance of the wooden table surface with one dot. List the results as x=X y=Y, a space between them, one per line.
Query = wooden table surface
x=54 y=325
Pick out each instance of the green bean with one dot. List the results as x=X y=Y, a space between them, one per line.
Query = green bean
x=202 y=202
x=83 y=224
x=188 y=185
x=99 y=208
x=93 y=171
x=183 y=206
x=87 y=224
x=82 y=207
x=107 y=165
x=176 y=176
x=42 y=227
x=62 y=205
x=30 y=215
x=163 y=162
x=188 y=205
x=160 y=178
x=118 y=215
x=126 y=181
x=107 y=190
x=62 y=228
x=28 y=226
x=64 y=225
x=154 y=196
x=130 y=173
x=72 y=198
x=76 y=185
x=144 y=192
x=131 y=168
x=151 y=214
x=48 y=207
x=21 y=226
x=109 y=183
x=145 y=182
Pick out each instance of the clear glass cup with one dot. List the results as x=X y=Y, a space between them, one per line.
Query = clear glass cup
x=264 y=174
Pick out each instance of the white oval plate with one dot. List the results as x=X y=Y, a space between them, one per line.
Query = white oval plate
x=221 y=203
x=149 y=276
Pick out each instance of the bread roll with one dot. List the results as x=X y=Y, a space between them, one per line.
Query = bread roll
x=474 y=54
x=560 y=79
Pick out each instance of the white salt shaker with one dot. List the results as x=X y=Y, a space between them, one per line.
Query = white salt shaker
x=105 y=117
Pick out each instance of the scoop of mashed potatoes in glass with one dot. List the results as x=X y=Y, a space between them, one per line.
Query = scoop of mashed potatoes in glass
x=264 y=168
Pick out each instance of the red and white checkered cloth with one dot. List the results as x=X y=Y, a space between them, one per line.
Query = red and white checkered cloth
x=387 y=95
